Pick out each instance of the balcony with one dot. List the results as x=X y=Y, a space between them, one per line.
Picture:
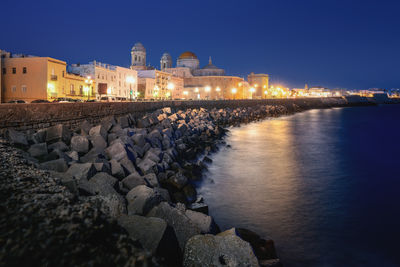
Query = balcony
x=53 y=77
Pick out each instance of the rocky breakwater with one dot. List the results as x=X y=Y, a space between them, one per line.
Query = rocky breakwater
x=141 y=173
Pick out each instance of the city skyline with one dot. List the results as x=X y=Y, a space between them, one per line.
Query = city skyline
x=346 y=45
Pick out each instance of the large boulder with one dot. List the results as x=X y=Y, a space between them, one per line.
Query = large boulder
x=17 y=138
x=98 y=130
x=177 y=219
x=85 y=127
x=204 y=222
x=147 y=166
x=139 y=139
x=178 y=180
x=58 y=145
x=127 y=166
x=58 y=132
x=116 y=151
x=38 y=150
x=151 y=180
x=154 y=235
x=80 y=144
x=133 y=180
x=224 y=250
x=58 y=165
x=82 y=171
x=98 y=143
x=116 y=169
x=103 y=178
x=141 y=199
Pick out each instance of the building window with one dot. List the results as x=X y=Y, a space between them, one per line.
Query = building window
x=72 y=92
x=24 y=70
x=135 y=57
x=80 y=89
x=14 y=70
x=63 y=73
x=4 y=70
x=23 y=88
x=13 y=89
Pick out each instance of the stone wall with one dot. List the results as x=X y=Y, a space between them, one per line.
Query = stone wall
x=34 y=116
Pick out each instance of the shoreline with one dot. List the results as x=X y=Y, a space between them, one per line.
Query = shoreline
x=146 y=176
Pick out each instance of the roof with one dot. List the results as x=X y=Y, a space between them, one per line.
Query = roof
x=138 y=47
x=188 y=55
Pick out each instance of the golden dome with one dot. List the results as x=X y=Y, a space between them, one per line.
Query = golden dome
x=188 y=55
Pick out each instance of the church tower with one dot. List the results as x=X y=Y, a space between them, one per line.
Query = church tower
x=138 y=57
x=166 y=61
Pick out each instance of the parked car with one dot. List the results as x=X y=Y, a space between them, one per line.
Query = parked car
x=17 y=102
x=107 y=99
x=64 y=100
x=91 y=100
x=40 y=101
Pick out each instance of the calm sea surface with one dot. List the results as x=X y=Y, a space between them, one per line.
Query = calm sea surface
x=323 y=184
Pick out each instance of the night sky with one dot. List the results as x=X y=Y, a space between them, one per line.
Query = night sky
x=346 y=44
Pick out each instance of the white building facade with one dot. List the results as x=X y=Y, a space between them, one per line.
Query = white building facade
x=112 y=81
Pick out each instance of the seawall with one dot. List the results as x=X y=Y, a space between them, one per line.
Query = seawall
x=36 y=116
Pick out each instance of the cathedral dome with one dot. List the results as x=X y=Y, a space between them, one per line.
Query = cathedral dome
x=188 y=55
x=138 y=47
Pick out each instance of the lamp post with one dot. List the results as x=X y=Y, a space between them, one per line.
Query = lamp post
x=208 y=89
x=234 y=91
x=89 y=82
x=252 y=90
x=130 y=80
x=170 y=87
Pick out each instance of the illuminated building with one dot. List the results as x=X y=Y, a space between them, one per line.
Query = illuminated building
x=259 y=83
x=115 y=81
x=30 y=78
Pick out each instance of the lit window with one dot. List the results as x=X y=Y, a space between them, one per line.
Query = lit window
x=23 y=88
x=14 y=70
x=24 y=70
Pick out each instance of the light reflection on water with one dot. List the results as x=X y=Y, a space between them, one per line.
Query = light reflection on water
x=294 y=179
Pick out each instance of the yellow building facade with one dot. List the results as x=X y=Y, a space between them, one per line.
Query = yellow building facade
x=258 y=84
x=31 y=78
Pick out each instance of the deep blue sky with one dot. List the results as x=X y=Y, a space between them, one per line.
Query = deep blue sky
x=349 y=44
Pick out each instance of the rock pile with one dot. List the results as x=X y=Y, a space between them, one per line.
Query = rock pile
x=142 y=173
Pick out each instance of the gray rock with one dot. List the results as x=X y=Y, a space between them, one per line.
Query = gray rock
x=148 y=231
x=151 y=179
x=58 y=165
x=38 y=150
x=82 y=171
x=127 y=166
x=225 y=250
x=80 y=144
x=66 y=180
x=116 y=169
x=116 y=151
x=133 y=180
x=103 y=178
x=112 y=204
x=102 y=167
x=108 y=122
x=147 y=166
x=40 y=136
x=204 y=222
x=270 y=263
x=177 y=219
x=138 y=139
x=123 y=121
x=17 y=138
x=98 y=143
x=142 y=199
x=58 y=145
x=85 y=127
x=73 y=155
x=57 y=133
x=178 y=180
x=98 y=130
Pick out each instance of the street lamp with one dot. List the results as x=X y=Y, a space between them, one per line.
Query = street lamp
x=170 y=87
x=252 y=90
x=130 y=80
x=208 y=89
x=89 y=82
x=234 y=91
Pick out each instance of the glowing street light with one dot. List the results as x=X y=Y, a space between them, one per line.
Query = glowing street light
x=130 y=80
x=170 y=86
x=196 y=90
x=208 y=88
x=218 y=89
x=252 y=90
x=234 y=91
x=108 y=91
